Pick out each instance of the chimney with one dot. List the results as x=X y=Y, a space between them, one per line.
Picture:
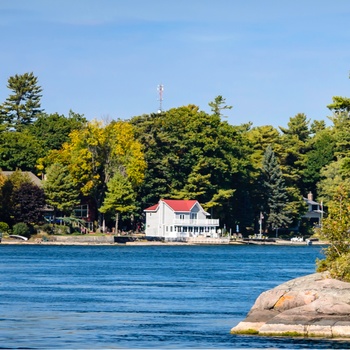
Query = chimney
x=310 y=197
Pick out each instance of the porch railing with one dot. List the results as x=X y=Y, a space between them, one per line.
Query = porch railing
x=197 y=222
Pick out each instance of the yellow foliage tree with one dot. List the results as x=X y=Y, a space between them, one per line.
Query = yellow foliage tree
x=96 y=152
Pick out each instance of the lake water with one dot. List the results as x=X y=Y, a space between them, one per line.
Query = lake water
x=115 y=297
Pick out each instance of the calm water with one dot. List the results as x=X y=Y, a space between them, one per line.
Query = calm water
x=91 y=297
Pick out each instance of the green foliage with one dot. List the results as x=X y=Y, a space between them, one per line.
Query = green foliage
x=4 y=227
x=21 y=229
x=95 y=153
x=19 y=150
x=336 y=230
x=181 y=153
x=218 y=105
x=23 y=105
x=120 y=197
x=46 y=228
x=191 y=154
x=260 y=138
x=7 y=199
x=332 y=177
x=274 y=193
x=60 y=191
x=53 y=130
x=340 y=105
x=294 y=143
x=320 y=153
x=246 y=332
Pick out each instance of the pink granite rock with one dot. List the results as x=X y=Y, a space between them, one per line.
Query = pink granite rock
x=313 y=305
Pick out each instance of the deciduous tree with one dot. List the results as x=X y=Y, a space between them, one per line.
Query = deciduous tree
x=336 y=230
x=29 y=200
x=19 y=150
x=96 y=152
x=53 y=130
x=120 y=197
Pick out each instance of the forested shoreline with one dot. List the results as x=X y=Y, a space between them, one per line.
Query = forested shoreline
x=121 y=167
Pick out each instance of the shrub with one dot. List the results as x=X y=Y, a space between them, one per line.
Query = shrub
x=47 y=228
x=4 y=228
x=340 y=268
x=21 y=229
x=336 y=230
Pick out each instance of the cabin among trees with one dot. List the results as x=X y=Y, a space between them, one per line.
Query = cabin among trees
x=314 y=211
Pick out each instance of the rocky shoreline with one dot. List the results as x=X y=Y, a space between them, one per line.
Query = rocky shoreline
x=310 y=306
x=111 y=240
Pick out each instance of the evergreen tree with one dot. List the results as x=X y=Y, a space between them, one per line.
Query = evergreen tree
x=23 y=106
x=60 y=191
x=293 y=160
x=274 y=192
x=218 y=105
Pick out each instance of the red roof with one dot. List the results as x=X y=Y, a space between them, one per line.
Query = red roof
x=182 y=205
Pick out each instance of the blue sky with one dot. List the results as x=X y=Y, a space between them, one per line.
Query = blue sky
x=270 y=59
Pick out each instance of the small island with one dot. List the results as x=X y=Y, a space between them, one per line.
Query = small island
x=317 y=305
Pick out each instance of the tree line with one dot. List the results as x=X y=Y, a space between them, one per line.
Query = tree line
x=121 y=167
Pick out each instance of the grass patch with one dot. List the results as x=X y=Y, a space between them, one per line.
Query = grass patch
x=246 y=332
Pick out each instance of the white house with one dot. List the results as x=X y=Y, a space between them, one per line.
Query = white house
x=173 y=219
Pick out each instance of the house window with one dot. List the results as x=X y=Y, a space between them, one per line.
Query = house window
x=171 y=229
x=196 y=229
x=194 y=216
x=184 y=229
x=181 y=216
x=201 y=229
x=81 y=211
x=166 y=228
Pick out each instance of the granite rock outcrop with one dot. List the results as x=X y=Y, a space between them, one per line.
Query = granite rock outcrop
x=311 y=306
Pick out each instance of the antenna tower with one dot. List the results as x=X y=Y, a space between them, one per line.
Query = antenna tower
x=160 y=89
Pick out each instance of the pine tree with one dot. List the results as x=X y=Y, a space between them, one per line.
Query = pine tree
x=22 y=107
x=60 y=191
x=274 y=192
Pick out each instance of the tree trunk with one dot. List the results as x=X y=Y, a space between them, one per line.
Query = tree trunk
x=116 y=222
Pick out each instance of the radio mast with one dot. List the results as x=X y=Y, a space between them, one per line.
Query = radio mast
x=160 y=89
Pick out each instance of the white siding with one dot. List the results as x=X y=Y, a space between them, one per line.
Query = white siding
x=168 y=224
